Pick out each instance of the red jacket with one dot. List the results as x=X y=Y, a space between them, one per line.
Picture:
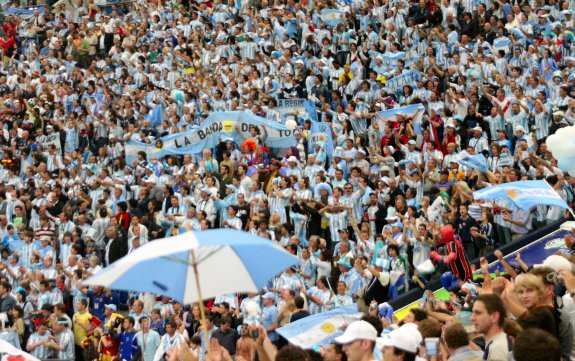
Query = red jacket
x=123 y=220
x=7 y=43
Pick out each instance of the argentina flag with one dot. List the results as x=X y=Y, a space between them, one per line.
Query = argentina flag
x=320 y=131
x=524 y=194
x=477 y=162
x=319 y=329
x=503 y=43
x=332 y=17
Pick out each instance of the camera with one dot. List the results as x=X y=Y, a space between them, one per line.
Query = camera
x=118 y=322
x=431 y=346
x=254 y=333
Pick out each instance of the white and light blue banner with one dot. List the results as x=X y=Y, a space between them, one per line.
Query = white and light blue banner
x=53 y=139
x=390 y=60
x=291 y=107
x=524 y=194
x=475 y=162
x=397 y=83
x=320 y=132
x=24 y=13
x=332 y=17
x=235 y=125
x=503 y=43
x=319 y=329
x=408 y=111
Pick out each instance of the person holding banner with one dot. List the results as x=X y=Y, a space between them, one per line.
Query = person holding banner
x=417 y=115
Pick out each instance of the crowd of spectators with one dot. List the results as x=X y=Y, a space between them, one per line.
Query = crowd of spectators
x=496 y=78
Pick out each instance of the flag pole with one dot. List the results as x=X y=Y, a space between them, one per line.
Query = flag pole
x=568 y=207
x=331 y=289
x=202 y=307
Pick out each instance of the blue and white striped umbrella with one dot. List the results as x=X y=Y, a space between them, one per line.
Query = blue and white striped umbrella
x=222 y=261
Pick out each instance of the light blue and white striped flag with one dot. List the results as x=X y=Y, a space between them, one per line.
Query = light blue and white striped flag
x=409 y=111
x=332 y=17
x=524 y=194
x=503 y=43
x=477 y=161
x=319 y=329
x=398 y=82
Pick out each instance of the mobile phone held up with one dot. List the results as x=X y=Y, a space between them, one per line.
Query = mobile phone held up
x=431 y=346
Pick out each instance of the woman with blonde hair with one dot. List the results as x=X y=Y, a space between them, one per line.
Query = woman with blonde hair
x=524 y=299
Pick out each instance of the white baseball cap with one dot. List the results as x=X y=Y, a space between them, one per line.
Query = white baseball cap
x=519 y=128
x=406 y=338
x=558 y=263
x=358 y=330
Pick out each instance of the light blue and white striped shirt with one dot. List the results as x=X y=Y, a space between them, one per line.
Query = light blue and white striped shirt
x=41 y=352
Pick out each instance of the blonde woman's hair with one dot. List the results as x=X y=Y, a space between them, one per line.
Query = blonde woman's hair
x=530 y=281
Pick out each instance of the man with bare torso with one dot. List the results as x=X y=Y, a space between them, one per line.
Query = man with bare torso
x=246 y=346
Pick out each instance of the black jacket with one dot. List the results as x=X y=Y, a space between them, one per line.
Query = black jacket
x=118 y=248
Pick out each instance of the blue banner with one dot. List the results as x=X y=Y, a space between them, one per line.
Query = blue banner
x=409 y=111
x=236 y=125
x=389 y=59
x=310 y=109
x=292 y=107
x=24 y=13
x=478 y=162
x=536 y=252
x=332 y=17
x=319 y=329
x=392 y=57
x=524 y=194
x=408 y=78
x=320 y=132
x=503 y=43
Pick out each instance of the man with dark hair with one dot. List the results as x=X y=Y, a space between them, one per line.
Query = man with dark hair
x=246 y=345
x=334 y=352
x=534 y=344
x=7 y=301
x=38 y=343
x=457 y=342
x=116 y=246
x=291 y=353
x=488 y=317
x=562 y=318
x=63 y=343
x=375 y=321
x=300 y=312
x=126 y=337
x=59 y=313
x=226 y=335
x=147 y=340
x=170 y=341
x=211 y=329
x=415 y=315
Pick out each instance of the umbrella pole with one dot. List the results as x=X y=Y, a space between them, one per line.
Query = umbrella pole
x=202 y=309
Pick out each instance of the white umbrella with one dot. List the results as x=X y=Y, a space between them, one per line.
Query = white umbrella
x=8 y=351
x=194 y=266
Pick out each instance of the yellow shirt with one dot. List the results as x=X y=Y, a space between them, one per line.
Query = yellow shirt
x=112 y=319
x=79 y=332
x=348 y=75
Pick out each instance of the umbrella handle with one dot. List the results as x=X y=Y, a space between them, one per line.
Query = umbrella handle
x=202 y=307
